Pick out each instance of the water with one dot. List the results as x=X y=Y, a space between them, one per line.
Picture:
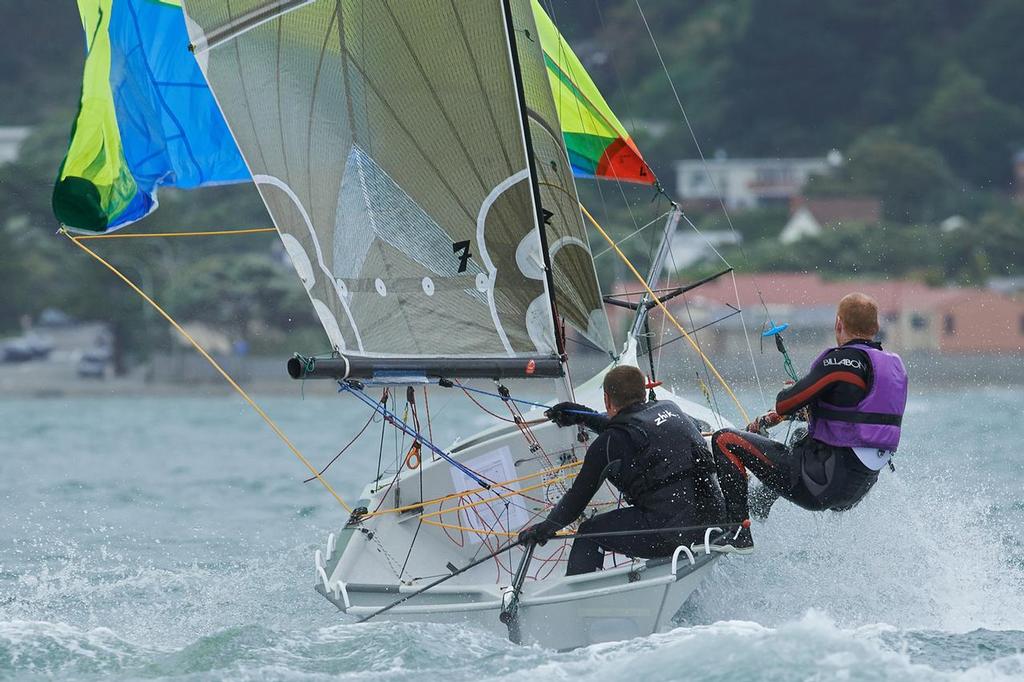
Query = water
x=171 y=538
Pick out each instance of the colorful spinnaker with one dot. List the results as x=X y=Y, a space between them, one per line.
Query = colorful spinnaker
x=146 y=118
x=598 y=144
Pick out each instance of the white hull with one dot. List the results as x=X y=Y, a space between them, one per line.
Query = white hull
x=630 y=601
x=370 y=564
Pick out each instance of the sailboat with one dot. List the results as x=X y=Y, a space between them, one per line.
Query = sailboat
x=411 y=155
x=418 y=158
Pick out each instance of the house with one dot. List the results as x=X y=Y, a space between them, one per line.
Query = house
x=745 y=183
x=811 y=216
x=802 y=224
x=913 y=316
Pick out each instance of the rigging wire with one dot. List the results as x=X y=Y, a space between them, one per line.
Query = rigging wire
x=202 y=233
x=625 y=239
x=342 y=451
x=397 y=422
x=689 y=314
x=562 y=49
x=665 y=310
x=714 y=185
x=739 y=304
x=480 y=405
x=213 y=363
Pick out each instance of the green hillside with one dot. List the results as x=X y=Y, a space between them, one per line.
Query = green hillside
x=923 y=99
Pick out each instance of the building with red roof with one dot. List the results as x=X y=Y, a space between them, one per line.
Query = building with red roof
x=913 y=316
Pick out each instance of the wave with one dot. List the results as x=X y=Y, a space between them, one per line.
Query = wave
x=811 y=647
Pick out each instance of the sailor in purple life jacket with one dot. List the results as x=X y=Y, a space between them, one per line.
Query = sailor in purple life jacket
x=853 y=397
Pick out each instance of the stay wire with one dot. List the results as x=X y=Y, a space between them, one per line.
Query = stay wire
x=714 y=184
x=213 y=363
x=739 y=304
x=588 y=129
x=343 y=450
x=707 y=374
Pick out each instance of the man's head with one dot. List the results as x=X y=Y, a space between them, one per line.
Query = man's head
x=857 y=318
x=623 y=386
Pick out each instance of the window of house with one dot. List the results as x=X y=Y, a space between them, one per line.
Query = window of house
x=949 y=324
x=918 y=321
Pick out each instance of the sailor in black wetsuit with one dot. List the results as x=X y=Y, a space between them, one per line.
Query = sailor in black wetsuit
x=655 y=455
x=854 y=396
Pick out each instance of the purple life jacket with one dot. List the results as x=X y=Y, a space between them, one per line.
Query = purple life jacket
x=875 y=421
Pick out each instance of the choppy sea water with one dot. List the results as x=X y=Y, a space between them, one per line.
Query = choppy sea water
x=171 y=538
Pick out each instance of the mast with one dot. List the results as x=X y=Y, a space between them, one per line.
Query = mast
x=517 y=76
x=657 y=265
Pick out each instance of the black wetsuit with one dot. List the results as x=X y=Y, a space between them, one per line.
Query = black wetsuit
x=655 y=455
x=811 y=474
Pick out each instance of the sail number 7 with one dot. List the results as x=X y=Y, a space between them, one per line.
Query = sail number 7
x=464 y=257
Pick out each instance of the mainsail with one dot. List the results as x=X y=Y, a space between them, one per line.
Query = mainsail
x=387 y=141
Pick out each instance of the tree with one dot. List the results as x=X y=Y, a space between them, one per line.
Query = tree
x=913 y=182
x=992 y=47
x=975 y=132
x=234 y=291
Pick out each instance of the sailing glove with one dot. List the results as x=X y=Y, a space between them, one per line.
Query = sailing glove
x=568 y=414
x=537 y=534
x=764 y=422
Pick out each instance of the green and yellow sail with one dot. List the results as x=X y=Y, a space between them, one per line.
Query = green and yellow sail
x=598 y=144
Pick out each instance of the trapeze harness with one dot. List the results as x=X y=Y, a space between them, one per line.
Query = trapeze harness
x=837 y=462
x=655 y=455
x=871 y=428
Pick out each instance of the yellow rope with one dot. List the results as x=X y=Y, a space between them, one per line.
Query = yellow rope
x=498 y=497
x=195 y=344
x=664 y=309
x=245 y=396
x=208 y=233
x=475 y=491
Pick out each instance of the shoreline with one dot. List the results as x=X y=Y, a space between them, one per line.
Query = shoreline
x=266 y=377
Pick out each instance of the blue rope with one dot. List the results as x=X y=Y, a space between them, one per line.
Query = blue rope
x=410 y=431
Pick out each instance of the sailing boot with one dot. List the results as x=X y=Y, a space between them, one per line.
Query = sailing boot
x=740 y=541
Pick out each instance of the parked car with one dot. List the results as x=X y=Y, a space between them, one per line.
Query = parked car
x=26 y=349
x=94 y=364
